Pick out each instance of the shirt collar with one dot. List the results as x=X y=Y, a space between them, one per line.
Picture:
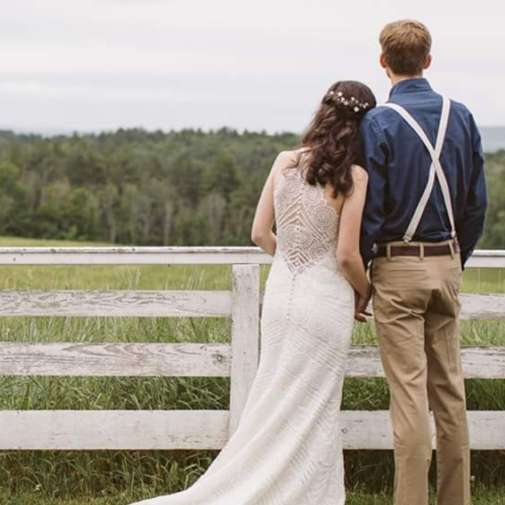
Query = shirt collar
x=410 y=86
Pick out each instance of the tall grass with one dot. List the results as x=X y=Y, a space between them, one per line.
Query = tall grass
x=120 y=476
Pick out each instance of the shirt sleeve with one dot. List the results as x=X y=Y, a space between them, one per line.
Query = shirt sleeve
x=374 y=161
x=471 y=226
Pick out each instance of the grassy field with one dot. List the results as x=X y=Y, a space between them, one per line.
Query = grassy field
x=110 y=478
x=479 y=497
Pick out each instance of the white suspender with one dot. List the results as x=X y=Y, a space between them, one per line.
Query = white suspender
x=435 y=169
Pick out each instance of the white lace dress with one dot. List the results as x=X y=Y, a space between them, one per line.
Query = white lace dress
x=287 y=447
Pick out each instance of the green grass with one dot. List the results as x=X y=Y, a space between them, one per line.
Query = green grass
x=112 y=477
x=484 y=280
x=35 y=242
x=479 y=497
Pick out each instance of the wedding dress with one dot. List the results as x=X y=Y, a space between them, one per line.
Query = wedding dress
x=287 y=447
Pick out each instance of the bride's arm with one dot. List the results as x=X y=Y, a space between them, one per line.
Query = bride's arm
x=264 y=218
x=348 y=255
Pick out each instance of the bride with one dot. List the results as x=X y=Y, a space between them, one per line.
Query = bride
x=287 y=448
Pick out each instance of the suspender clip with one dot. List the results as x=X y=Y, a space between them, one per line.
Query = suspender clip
x=451 y=247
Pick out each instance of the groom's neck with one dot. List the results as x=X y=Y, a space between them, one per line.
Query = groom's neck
x=395 y=79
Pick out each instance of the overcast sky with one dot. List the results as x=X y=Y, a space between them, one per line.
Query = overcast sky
x=262 y=64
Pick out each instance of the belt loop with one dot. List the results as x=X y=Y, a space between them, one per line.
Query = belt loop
x=421 y=251
x=451 y=247
x=388 y=251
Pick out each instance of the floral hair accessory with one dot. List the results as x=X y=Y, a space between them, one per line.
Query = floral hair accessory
x=351 y=104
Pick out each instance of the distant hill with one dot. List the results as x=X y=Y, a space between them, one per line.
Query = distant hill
x=493 y=138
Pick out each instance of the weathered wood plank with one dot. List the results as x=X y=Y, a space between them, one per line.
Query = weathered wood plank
x=116 y=303
x=172 y=256
x=477 y=362
x=132 y=256
x=483 y=362
x=363 y=361
x=192 y=360
x=115 y=430
x=245 y=337
x=482 y=306
x=187 y=429
x=372 y=430
x=171 y=304
x=78 y=359
x=487 y=258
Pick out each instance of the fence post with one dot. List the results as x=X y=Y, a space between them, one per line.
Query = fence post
x=244 y=337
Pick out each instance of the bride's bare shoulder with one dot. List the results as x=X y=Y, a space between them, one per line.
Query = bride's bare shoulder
x=359 y=175
x=285 y=160
x=288 y=157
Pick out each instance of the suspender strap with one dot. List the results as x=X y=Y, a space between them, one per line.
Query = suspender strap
x=435 y=168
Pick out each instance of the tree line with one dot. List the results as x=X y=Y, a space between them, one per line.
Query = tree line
x=132 y=186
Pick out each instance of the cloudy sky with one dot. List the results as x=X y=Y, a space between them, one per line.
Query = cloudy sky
x=263 y=64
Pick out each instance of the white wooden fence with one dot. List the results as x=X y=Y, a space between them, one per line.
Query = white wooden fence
x=190 y=429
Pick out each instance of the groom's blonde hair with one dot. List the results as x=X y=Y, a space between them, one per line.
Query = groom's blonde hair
x=406 y=45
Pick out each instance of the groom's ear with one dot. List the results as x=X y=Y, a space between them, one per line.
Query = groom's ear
x=427 y=63
x=384 y=65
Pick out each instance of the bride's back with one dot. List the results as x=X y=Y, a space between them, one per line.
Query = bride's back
x=306 y=216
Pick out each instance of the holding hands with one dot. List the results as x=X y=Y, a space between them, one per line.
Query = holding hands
x=360 y=306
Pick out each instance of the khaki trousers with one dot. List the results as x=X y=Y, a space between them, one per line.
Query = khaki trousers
x=416 y=310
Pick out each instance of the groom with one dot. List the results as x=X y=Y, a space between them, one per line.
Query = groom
x=424 y=214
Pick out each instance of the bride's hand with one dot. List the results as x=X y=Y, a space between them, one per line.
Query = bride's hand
x=360 y=306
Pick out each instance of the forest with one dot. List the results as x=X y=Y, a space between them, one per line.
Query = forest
x=188 y=187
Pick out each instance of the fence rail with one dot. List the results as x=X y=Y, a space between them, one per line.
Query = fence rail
x=177 y=429
x=191 y=360
x=172 y=256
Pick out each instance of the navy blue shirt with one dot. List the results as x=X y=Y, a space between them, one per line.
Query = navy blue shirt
x=398 y=165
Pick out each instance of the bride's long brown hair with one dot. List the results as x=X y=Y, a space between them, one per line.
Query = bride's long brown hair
x=333 y=135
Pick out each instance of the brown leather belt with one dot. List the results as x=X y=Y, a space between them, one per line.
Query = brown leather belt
x=416 y=250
